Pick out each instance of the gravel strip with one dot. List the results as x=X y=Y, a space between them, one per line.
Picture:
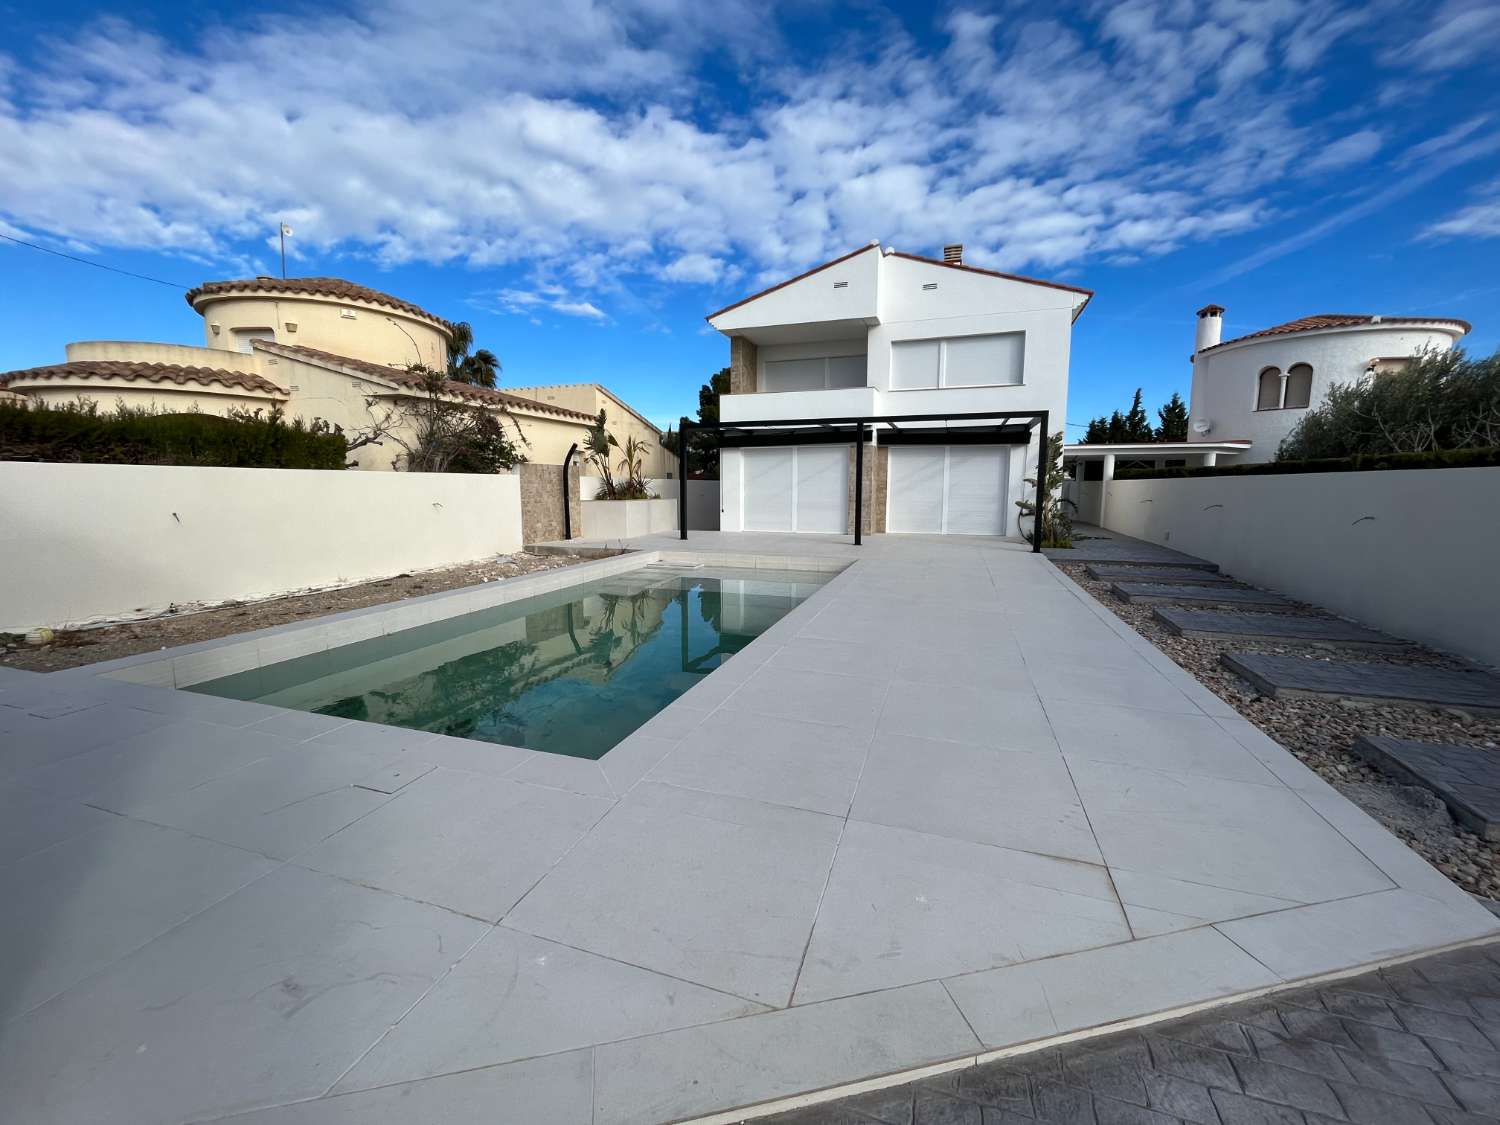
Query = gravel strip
x=1320 y=732
x=187 y=625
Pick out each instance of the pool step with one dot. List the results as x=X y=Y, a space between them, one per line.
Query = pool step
x=1227 y=623
x=1188 y=592
x=1467 y=778
x=1413 y=685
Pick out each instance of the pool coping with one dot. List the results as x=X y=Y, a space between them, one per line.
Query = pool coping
x=175 y=669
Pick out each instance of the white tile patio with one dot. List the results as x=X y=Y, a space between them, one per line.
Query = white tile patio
x=949 y=805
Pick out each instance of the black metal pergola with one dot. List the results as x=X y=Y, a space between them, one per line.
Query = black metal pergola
x=1006 y=428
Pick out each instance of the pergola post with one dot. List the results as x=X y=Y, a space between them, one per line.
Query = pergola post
x=1044 y=441
x=859 y=482
x=683 y=428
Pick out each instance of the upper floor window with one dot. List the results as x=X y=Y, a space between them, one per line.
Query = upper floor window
x=958 y=361
x=1289 y=390
x=816 y=374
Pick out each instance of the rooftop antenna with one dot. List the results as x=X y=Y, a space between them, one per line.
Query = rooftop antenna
x=286 y=233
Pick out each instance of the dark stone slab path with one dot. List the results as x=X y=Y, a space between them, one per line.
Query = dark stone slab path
x=1178 y=592
x=1467 y=778
x=1272 y=626
x=1415 y=1044
x=1096 y=545
x=1156 y=573
x=1422 y=685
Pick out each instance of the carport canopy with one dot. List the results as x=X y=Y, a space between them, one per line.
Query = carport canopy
x=982 y=427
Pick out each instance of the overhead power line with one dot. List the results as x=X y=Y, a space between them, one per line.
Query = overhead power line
x=96 y=265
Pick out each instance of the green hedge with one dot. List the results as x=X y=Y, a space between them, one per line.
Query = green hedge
x=80 y=434
x=1368 y=462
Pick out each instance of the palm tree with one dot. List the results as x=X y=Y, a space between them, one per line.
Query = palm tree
x=479 y=368
x=634 y=456
x=597 y=444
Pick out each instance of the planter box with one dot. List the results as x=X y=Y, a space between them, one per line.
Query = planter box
x=626 y=519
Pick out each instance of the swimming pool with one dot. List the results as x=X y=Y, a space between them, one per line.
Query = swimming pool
x=569 y=672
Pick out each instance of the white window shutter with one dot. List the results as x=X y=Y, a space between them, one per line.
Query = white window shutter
x=975 y=361
x=914 y=364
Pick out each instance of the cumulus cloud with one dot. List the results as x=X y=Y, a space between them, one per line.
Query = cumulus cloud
x=589 y=144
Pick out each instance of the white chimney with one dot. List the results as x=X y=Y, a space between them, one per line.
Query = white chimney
x=1210 y=326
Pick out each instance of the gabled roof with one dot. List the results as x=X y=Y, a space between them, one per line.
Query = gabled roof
x=335 y=287
x=1088 y=294
x=150 y=373
x=399 y=377
x=602 y=389
x=1320 y=321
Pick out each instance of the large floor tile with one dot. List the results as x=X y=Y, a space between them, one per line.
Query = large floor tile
x=1137 y=685
x=279 y=806
x=556 y=1090
x=816 y=654
x=686 y=1073
x=1100 y=986
x=264 y=998
x=515 y=996
x=76 y=907
x=1253 y=838
x=31 y=821
x=1015 y=798
x=30 y=742
x=782 y=761
x=712 y=889
x=155 y=764
x=1357 y=931
x=990 y=667
x=1152 y=740
x=903 y=907
x=813 y=697
x=1156 y=904
x=471 y=843
x=955 y=713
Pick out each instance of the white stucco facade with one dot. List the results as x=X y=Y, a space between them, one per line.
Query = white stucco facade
x=881 y=333
x=1227 y=402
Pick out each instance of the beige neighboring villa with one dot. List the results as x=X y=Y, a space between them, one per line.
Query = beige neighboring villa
x=318 y=347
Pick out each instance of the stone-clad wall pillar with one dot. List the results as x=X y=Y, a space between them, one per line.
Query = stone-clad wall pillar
x=742 y=366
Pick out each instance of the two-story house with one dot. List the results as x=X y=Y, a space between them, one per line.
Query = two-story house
x=881 y=334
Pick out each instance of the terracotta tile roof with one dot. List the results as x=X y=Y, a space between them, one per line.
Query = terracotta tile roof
x=148 y=373
x=335 y=287
x=402 y=378
x=1338 y=320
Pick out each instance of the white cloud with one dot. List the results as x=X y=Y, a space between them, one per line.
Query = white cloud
x=581 y=142
x=1478 y=220
x=1356 y=148
x=1466 y=32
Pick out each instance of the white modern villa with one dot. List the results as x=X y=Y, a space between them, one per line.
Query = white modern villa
x=884 y=338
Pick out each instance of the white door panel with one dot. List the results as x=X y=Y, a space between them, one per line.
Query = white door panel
x=768 y=489
x=947 y=490
x=915 y=489
x=822 y=489
x=802 y=488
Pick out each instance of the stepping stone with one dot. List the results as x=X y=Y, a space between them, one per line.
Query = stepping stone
x=1186 y=592
x=1467 y=778
x=1272 y=626
x=1155 y=573
x=1125 y=551
x=1419 y=685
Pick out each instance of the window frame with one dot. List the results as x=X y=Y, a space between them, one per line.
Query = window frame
x=826 y=361
x=942 y=368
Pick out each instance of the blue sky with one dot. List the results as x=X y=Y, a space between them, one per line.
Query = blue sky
x=583 y=183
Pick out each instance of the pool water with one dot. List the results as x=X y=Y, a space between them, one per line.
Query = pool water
x=569 y=672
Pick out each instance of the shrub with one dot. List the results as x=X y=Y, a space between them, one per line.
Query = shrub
x=1443 y=400
x=79 y=432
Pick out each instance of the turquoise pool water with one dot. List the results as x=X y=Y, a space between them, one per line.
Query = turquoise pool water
x=569 y=672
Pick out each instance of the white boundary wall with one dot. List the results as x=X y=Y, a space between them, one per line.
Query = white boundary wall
x=1415 y=553
x=81 y=543
x=625 y=519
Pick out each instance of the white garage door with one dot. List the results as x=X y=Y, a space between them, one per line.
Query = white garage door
x=801 y=488
x=948 y=489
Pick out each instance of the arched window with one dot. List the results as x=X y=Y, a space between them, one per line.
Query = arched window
x=1269 y=397
x=1298 y=386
